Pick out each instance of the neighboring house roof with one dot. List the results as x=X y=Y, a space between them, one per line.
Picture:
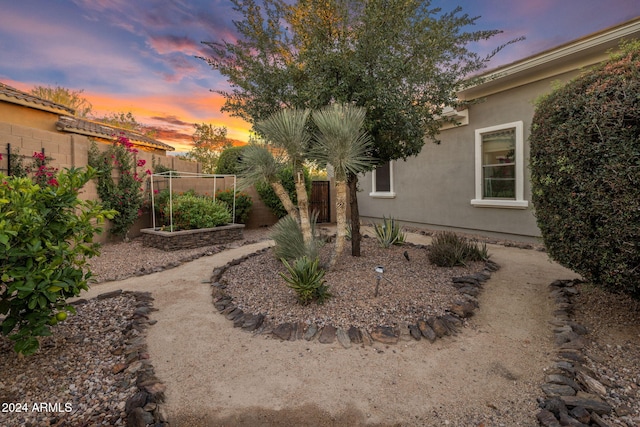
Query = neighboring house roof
x=583 y=52
x=15 y=96
x=101 y=130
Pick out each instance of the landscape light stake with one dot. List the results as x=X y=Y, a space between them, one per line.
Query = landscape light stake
x=380 y=269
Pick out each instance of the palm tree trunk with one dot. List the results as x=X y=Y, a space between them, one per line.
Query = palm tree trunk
x=283 y=195
x=303 y=207
x=341 y=221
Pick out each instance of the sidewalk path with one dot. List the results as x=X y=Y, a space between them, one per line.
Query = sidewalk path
x=218 y=375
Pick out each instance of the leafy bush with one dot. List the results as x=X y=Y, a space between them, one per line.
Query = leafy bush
x=389 y=232
x=191 y=211
x=585 y=172
x=123 y=192
x=307 y=280
x=271 y=200
x=229 y=161
x=289 y=242
x=450 y=250
x=243 y=204
x=46 y=237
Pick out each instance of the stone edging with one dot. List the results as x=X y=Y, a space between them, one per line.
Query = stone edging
x=430 y=328
x=144 y=407
x=574 y=395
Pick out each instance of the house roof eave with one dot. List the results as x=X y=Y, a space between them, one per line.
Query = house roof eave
x=100 y=130
x=584 y=52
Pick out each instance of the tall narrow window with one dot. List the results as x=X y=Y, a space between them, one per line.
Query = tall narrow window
x=500 y=166
x=382 y=181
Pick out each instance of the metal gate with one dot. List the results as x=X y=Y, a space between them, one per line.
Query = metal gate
x=321 y=200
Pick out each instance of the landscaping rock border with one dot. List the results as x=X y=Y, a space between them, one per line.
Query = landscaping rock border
x=574 y=394
x=144 y=407
x=431 y=328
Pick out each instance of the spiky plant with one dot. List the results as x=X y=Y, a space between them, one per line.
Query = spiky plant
x=307 y=280
x=341 y=142
x=287 y=130
x=389 y=232
x=450 y=250
x=258 y=165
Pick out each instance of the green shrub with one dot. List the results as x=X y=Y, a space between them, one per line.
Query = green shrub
x=289 y=242
x=450 y=250
x=243 y=204
x=124 y=191
x=307 y=279
x=271 y=200
x=191 y=211
x=46 y=237
x=389 y=232
x=229 y=161
x=585 y=172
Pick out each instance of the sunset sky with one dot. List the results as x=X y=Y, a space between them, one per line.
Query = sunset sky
x=139 y=56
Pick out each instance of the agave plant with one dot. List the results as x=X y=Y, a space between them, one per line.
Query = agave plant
x=307 y=279
x=389 y=232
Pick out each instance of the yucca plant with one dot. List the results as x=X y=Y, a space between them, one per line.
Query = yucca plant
x=307 y=280
x=343 y=142
x=450 y=250
x=389 y=232
x=287 y=130
x=289 y=241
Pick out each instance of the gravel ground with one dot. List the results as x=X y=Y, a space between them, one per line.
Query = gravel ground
x=409 y=290
x=119 y=261
x=72 y=371
x=613 y=348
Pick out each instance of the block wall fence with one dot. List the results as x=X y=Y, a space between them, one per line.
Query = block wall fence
x=71 y=150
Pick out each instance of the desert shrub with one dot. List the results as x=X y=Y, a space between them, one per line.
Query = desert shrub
x=243 y=204
x=289 y=242
x=307 y=280
x=389 y=232
x=271 y=200
x=191 y=211
x=46 y=237
x=585 y=172
x=229 y=161
x=450 y=250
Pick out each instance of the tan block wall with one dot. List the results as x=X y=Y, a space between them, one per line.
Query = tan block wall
x=70 y=150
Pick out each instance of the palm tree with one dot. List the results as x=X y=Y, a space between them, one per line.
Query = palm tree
x=341 y=142
x=259 y=165
x=287 y=130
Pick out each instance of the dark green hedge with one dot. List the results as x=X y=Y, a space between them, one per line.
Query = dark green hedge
x=585 y=172
x=229 y=161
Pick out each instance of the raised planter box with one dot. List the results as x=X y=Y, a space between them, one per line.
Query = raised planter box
x=188 y=239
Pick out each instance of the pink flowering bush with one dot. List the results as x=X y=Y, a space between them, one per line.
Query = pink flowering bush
x=120 y=182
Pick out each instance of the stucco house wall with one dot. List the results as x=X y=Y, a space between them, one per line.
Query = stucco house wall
x=436 y=188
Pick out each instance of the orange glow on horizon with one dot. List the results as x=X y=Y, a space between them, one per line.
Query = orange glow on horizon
x=169 y=113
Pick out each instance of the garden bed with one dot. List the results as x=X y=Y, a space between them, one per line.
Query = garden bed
x=188 y=239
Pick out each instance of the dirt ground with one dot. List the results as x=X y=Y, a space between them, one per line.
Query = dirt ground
x=216 y=375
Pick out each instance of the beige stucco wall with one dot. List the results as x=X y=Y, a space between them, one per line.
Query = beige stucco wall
x=435 y=188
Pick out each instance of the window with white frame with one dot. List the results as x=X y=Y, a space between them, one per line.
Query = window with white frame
x=500 y=166
x=382 y=181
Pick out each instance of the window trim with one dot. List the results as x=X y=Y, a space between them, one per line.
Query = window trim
x=519 y=202
x=383 y=194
